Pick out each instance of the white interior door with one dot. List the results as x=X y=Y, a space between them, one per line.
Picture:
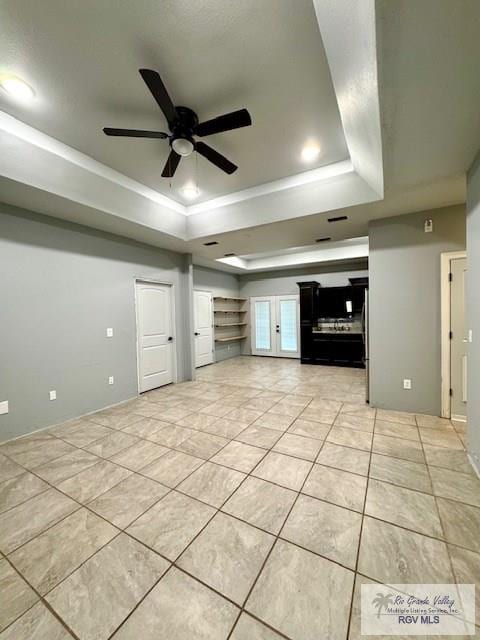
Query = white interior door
x=203 y=321
x=275 y=324
x=459 y=339
x=154 y=335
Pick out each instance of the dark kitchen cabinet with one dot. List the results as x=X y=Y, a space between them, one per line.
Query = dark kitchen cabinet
x=339 y=348
x=308 y=315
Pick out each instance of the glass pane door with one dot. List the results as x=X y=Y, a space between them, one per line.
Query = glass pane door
x=262 y=314
x=288 y=325
x=275 y=322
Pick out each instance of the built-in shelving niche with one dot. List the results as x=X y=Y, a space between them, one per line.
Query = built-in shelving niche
x=229 y=319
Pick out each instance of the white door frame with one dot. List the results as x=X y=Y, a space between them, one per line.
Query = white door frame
x=275 y=343
x=174 y=326
x=445 y=314
x=212 y=323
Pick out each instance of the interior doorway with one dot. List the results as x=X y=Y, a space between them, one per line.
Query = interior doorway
x=203 y=327
x=155 y=338
x=275 y=322
x=455 y=336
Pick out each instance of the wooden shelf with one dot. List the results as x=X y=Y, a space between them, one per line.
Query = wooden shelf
x=231 y=339
x=230 y=299
x=231 y=324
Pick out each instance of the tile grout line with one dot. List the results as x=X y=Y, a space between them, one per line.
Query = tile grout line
x=360 y=534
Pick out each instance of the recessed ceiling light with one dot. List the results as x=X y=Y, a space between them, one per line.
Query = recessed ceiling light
x=190 y=191
x=310 y=152
x=17 y=88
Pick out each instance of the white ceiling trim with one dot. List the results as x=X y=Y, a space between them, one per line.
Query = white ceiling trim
x=351 y=249
x=322 y=173
x=56 y=168
x=29 y=134
x=352 y=58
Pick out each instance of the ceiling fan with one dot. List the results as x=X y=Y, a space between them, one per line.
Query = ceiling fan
x=183 y=124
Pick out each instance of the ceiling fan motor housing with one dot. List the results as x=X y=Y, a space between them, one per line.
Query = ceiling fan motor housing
x=182 y=130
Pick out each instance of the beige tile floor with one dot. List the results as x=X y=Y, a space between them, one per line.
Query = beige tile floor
x=250 y=504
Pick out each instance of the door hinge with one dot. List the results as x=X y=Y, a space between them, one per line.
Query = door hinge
x=450 y=392
x=450 y=276
x=450 y=335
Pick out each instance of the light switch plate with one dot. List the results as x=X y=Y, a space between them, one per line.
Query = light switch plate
x=109 y=332
x=470 y=335
x=53 y=394
x=407 y=383
x=428 y=225
x=3 y=407
x=110 y=380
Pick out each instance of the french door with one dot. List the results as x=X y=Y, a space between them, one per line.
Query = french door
x=275 y=322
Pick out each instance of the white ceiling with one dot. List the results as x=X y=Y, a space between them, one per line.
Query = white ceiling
x=82 y=57
x=429 y=57
x=404 y=76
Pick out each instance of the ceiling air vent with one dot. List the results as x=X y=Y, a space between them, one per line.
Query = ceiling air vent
x=338 y=218
x=228 y=255
x=210 y=244
x=323 y=239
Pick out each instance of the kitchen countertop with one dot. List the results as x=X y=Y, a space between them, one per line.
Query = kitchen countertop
x=355 y=332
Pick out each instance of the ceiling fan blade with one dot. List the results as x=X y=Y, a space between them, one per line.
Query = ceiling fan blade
x=227 y=122
x=171 y=165
x=154 y=83
x=134 y=133
x=215 y=158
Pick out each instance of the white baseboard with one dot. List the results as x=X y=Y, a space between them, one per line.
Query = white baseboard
x=457 y=418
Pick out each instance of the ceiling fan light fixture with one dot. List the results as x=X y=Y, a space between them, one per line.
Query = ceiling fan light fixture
x=183 y=146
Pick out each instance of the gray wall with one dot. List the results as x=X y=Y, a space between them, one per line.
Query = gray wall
x=272 y=283
x=220 y=284
x=61 y=286
x=405 y=306
x=473 y=310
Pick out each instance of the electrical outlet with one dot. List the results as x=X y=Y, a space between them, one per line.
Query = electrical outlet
x=53 y=394
x=109 y=332
x=110 y=380
x=407 y=383
x=3 y=407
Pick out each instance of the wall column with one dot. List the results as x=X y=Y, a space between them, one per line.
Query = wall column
x=473 y=312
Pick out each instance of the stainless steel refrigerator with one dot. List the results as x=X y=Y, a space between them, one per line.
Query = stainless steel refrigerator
x=366 y=357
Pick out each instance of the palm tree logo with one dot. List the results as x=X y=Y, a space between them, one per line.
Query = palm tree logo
x=382 y=601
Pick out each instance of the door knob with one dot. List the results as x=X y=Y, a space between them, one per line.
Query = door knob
x=170 y=338
x=196 y=333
